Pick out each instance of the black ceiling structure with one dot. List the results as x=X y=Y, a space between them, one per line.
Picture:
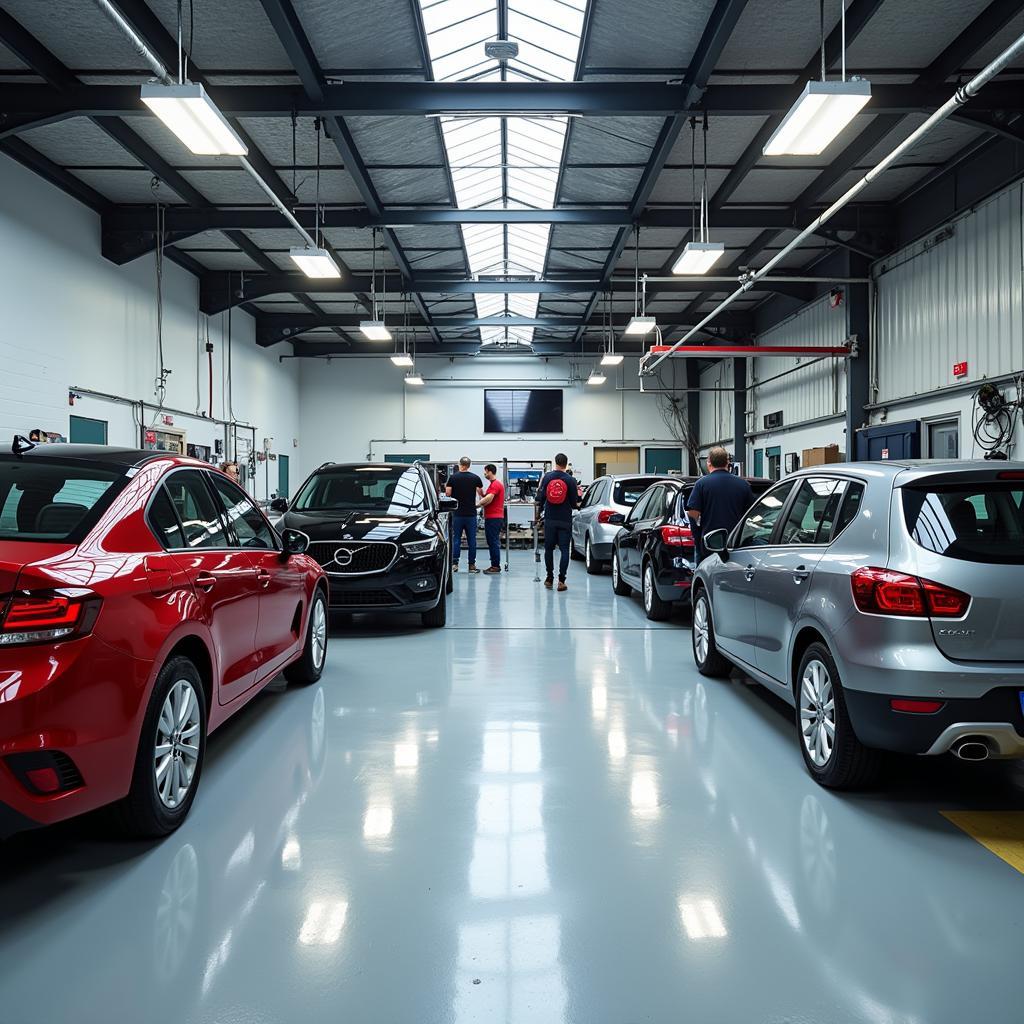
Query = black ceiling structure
x=70 y=111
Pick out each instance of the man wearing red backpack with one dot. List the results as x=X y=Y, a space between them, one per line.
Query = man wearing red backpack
x=557 y=496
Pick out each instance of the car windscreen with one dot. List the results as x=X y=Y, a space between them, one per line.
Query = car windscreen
x=627 y=491
x=390 y=490
x=52 y=500
x=974 y=522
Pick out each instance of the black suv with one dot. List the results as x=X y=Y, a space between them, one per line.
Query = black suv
x=381 y=533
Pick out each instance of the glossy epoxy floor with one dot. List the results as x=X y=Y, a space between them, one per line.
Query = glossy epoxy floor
x=541 y=814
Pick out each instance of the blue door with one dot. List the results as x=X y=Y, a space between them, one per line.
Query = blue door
x=889 y=441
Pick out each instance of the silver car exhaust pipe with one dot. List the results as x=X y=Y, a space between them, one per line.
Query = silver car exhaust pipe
x=971 y=750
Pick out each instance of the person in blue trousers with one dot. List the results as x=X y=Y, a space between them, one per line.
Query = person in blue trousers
x=465 y=487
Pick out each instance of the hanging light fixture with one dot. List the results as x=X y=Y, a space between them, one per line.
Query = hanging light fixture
x=823 y=110
x=639 y=323
x=375 y=329
x=187 y=110
x=402 y=358
x=698 y=257
x=596 y=377
x=315 y=261
x=414 y=378
x=609 y=357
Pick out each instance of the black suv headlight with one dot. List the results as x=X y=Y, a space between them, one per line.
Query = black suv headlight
x=420 y=548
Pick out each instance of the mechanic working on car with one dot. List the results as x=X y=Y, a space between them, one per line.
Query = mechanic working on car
x=465 y=487
x=493 y=504
x=557 y=496
x=718 y=500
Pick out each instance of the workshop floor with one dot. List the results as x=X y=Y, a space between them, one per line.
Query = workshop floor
x=540 y=814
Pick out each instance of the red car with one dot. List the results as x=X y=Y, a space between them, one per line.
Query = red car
x=144 y=599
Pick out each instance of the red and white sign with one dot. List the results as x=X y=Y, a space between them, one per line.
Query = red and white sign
x=885 y=453
x=167 y=420
x=960 y=369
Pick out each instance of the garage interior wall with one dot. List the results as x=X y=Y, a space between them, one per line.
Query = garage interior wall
x=354 y=408
x=74 y=319
x=953 y=296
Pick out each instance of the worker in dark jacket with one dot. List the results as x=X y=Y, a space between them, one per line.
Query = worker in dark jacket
x=718 y=500
x=557 y=496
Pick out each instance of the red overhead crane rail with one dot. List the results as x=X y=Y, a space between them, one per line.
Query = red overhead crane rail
x=703 y=351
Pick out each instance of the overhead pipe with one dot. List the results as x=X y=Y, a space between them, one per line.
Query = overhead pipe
x=957 y=100
x=157 y=66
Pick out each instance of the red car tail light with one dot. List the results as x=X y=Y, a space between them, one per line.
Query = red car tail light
x=917 y=707
x=34 y=617
x=1010 y=474
x=605 y=514
x=677 y=536
x=886 y=592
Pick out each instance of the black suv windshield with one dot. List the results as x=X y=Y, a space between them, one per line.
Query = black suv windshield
x=392 y=490
x=50 y=500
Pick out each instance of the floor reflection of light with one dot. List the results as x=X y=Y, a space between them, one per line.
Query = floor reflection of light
x=431 y=738
x=616 y=744
x=599 y=701
x=511 y=747
x=407 y=755
x=643 y=793
x=291 y=854
x=378 y=820
x=324 y=923
x=243 y=852
x=701 y=919
x=783 y=896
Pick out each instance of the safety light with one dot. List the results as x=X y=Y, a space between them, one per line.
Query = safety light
x=641 y=325
x=699 y=257
x=314 y=262
x=194 y=118
x=823 y=110
x=375 y=330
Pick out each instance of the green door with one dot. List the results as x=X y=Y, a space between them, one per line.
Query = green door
x=282 y=476
x=86 y=431
x=663 y=460
x=774 y=462
x=758 y=462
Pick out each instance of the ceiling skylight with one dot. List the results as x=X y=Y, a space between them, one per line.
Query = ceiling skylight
x=504 y=162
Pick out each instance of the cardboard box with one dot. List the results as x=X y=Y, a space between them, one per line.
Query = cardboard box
x=822 y=456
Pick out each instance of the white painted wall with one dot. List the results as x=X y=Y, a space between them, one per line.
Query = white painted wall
x=355 y=408
x=73 y=319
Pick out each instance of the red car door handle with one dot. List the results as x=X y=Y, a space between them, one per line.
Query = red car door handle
x=206 y=582
x=263 y=577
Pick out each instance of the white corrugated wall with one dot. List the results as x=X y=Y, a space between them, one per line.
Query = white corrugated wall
x=716 y=407
x=818 y=387
x=944 y=301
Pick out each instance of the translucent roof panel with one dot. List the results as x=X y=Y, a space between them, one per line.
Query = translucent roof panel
x=504 y=162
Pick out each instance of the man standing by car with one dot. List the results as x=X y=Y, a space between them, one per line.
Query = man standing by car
x=557 y=496
x=493 y=504
x=718 y=500
x=465 y=487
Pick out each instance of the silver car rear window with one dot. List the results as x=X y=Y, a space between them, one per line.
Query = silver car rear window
x=978 y=522
x=627 y=492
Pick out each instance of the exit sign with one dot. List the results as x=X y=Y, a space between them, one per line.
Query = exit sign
x=960 y=369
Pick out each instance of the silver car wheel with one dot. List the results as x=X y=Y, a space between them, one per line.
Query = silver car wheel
x=176 y=752
x=817 y=712
x=701 y=629
x=319 y=632
x=648 y=588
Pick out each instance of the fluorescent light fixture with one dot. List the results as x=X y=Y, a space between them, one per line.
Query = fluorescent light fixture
x=611 y=359
x=699 y=257
x=414 y=378
x=194 y=118
x=596 y=377
x=823 y=110
x=314 y=262
x=402 y=359
x=641 y=325
x=375 y=330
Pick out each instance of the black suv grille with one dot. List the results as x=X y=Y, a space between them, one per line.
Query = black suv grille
x=353 y=558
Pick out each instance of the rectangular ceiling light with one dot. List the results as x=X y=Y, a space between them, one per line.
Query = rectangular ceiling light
x=596 y=377
x=194 y=118
x=641 y=325
x=699 y=257
x=413 y=378
x=402 y=359
x=314 y=262
x=823 y=110
x=611 y=359
x=375 y=330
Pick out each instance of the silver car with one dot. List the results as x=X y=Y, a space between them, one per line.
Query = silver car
x=885 y=602
x=592 y=533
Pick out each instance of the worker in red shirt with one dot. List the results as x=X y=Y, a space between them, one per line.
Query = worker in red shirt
x=493 y=504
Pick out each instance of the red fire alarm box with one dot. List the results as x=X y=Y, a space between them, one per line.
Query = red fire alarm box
x=960 y=369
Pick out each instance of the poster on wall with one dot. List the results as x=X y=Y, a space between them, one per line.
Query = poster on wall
x=40 y=436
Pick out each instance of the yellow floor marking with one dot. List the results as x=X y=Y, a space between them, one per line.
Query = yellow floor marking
x=1002 y=832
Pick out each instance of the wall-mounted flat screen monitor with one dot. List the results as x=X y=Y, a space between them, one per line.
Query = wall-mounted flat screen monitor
x=533 y=411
